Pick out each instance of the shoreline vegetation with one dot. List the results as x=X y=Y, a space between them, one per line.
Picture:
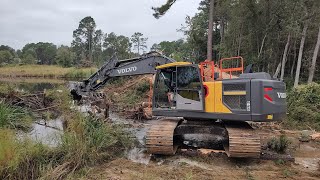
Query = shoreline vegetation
x=87 y=141
x=44 y=71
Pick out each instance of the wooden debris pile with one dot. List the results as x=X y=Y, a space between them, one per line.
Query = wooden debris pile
x=36 y=102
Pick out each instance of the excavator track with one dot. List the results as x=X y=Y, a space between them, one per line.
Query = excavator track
x=244 y=142
x=160 y=137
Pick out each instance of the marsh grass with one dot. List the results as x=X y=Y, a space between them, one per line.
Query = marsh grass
x=21 y=158
x=14 y=117
x=45 y=71
x=87 y=141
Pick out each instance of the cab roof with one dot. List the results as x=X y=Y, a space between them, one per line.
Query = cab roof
x=172 y=65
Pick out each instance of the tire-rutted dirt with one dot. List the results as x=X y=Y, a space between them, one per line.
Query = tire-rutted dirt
x=211 y=166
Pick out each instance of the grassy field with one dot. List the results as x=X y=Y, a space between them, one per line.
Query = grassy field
x=45 y=71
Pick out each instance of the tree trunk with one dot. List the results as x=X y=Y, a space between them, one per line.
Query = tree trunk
x=210 y=29
x=294 y=56
x=221 y=34
x=314 y=59
x=277 y=71
x=284 y=58
x=222 y=29
x=239 y=44
x=260 y=52
x=303 y=38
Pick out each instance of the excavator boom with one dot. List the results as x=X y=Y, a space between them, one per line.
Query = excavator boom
x=145 y=64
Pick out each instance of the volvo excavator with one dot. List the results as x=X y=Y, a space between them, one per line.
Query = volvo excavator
x=202 y=104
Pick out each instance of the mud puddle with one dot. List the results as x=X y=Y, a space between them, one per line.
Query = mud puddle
x=47 y=132
x=308 y=157
x=138 y=153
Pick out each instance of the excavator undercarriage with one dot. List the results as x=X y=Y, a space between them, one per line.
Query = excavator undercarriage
x=238 y=140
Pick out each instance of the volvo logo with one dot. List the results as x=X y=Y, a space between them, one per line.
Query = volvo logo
x=281 y=95
x=127 y=70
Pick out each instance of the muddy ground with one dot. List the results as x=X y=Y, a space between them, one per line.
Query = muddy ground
x=140 y=165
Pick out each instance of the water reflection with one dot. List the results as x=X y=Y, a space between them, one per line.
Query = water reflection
x=48 y=133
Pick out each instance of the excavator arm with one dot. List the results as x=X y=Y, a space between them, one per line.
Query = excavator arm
x=145 y=64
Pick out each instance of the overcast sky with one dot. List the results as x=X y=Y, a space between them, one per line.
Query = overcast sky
x=26 y=21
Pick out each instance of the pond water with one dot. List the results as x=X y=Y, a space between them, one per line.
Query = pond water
x=47 y=132
x=138 y=129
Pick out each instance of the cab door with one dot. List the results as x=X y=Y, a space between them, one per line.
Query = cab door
x=189 y=89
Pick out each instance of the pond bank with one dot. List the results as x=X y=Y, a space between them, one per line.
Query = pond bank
x=85 y=142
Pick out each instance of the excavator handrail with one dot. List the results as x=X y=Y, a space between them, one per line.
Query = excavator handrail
x=230 y=70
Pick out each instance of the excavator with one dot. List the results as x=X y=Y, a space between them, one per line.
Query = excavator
x=206 y=104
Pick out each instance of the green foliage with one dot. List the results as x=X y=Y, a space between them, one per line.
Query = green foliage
x=279 y=145
x=143 y=88
x=160 y=11
x=87 y=40
x=116 y=44
x=5 y=57
x=29 y=57
x=7 y=48
x=279 y=162
x=22 y=159
x=178 y=50
x=90 y=141
x=65 y=57
x=14 y=117
x=139 y=42
x=304 y=106
x=87 y=142
x=42 y=52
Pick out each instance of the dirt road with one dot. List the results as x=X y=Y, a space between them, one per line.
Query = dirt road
x=180 y=167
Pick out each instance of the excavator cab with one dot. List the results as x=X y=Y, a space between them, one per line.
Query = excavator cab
x=178 y=87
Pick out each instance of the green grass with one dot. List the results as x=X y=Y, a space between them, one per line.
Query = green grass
x=14 y=117
x=45 y=71
x=86 y=143
x=21 y=159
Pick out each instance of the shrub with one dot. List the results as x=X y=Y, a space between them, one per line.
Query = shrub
x=279 y=145
x=143 y=88
x=304 y=106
